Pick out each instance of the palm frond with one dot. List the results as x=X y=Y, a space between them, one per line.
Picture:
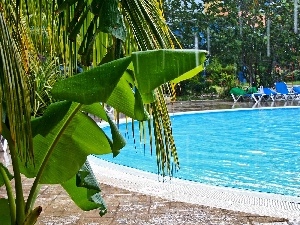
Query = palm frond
x=15 y=94
x=147 y=23
x=165 y=145
x=145 y=19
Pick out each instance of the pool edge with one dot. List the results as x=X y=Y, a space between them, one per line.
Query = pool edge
x=263 y=204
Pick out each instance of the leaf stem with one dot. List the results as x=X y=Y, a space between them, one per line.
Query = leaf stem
x=34 y=187
x=20 y=202
x=10 y=195
x=20 y=206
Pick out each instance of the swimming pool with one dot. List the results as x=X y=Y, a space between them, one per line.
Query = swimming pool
x=252 y=149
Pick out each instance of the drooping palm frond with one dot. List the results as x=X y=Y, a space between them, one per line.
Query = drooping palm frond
x=165 y=145
x=147 y=23
x=14 y=93
x=21 y=35
x=145 y=19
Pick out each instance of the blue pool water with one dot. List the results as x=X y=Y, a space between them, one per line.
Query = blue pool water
x=248 y=149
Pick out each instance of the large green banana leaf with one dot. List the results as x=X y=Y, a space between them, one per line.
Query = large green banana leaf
x=92 y=86
x=151 y=69
x=66 y=146
x=156 y=67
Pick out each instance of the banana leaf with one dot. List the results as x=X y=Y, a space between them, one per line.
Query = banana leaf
x=66 y=146
x=84 y=190
x=156 y=67
x=92 y=86
x=151 y=69
x=118 y=142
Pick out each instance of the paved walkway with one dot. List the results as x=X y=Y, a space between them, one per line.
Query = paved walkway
x=136 y=198
x=129 y=207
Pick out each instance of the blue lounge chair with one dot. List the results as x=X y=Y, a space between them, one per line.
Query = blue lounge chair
x=296 y=91
x=269 y=93
x=283 y=90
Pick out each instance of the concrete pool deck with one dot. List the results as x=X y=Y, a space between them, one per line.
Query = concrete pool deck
x=136 y=197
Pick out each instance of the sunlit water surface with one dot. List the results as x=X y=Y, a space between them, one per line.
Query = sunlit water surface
x=253 y=149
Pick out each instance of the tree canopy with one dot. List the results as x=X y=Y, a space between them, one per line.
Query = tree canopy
x=260 y=36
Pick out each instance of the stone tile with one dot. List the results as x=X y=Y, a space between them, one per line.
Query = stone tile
x=126 y=219
x=59 y=220
x=94 y=221
x=275 y=223
x=111 y=203
x=93 y=214
x=44 y=201
x=134 y=208
x=53 y=189
x=54 y=210
x=264 y=220
x=144 y=199
x=159 y=207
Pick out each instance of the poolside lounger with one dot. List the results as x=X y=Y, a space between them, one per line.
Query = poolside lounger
x=256 y=95
x=269 y=93
x=237 y=93
x=296 y=91
x=283 y=90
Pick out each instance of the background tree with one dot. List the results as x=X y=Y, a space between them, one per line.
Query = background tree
x=241 y=28
x=255 y=36
x=185 y=20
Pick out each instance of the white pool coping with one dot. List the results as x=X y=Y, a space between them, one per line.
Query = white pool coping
x=175 y=189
